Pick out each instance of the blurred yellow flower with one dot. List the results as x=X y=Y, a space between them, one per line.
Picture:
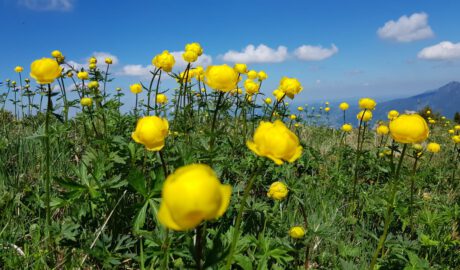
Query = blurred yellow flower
x=92 y=66
x=190 y=195
x=456 y=138
x=409 y=128
x=432 y=121
x=45 y=70
x=433 y=147
x=56 y=54
x=162 y=99
x=297 y=232
x=151 y=131
x=428 y=112
x=457 y=127
x=382 y=130
x=327 y=109
x=347 y=127
x=290 y=86
x=262 y=75
x=83 y=75
x=135 y=88
x=300 y=108
x=393 y=114
x=278 y=94
x=417 y=147
x=108 y=61
x=164 y=61
x=18 y=69
x=268 y=100
x=251 y=87
x=93 y=60
x=451 y=131
x=222 y=77
x=344 y=106
x=276 y=142
x=293 y=117
x=86 y=101
x=277 y=191
x=93 y=85
x=241 y=68
x=367 y=103
x=364 y=115
x=194 y=47
x=252 y=74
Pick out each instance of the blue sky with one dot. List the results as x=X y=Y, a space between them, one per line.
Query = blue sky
x=337 y=49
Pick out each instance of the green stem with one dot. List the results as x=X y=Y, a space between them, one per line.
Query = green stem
x=48 y=162
x=165 y=248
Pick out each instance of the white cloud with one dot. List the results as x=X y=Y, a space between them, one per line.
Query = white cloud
x=445 y=50
x=315 y=53
x=407 y=29
x=204 y=60
x=137 y=70
x=47 y=5
x=101 y=56
x=259 y=54
x=76 y=65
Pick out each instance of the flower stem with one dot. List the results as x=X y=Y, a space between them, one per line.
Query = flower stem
x=48 y=162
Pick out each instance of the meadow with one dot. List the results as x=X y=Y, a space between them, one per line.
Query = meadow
x=217 y=173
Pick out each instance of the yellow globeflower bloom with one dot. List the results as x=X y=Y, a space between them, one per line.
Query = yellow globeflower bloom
x=93 y=60
x=194 y=47
x=151 y=131
x=417 y=147
x=69 y=74
x=108 y=61
x=451 y=131
x=189 y=56
x=456 y=138
x=241 y=68
x=251 y=87
x=428 y=112
x=409 y=128
x=347 y=127
x=364 y=115
x=433 y=147
x=83 y=75
x=278 y=94
x=162 y=99
x=56 y=54
x=344 y=106
x=277 y=191
x=93 y=85
x=327 y=109
x=393 y=114
x=276 y=142
x=297 y=232
x=222 y=77
x=190 y=195
x=432 y=121
x=18 y=69
x=86 y=102
x=92 y=66
x=300 y=108
x=268 y=100
x=290 y=86
x=457 y=127
x=135 y=88
x=382 y=130
x=252 y=74
x=45 y=70
x=367 y=103
x=293 y=117
x=262 y=75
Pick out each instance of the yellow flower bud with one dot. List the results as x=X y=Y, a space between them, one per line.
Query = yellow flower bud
x=277 y=191
x=344 y=106
x=93 y=60
x=268 y=100
x=108 y=61
x=327 y=109
x=252 y=74
x=417 y=147
x=151 y=131
x=251 y=87
x=364 y=115
x=433 y=147
x=451 y=131
x=456 y=138
x=457 y=127
x=93 y=85
x=83 y=75
x=190 y=195
x=45 y=70
x=86 y=102
x=290 y=86
x=262 y=75
x=347 y=127
x=432 y=121
x=409 y=128
x=222 y=78
x=162 y=99
x=18 y=69
x=393 y=114
x=300 y=108
x=276 y=142
x=56 y=54
x=278 y=94
x=241 y=68
x=293 y=117
x=428 y=112
x=135 y=88
x=92 y=66
x=382 y=130
x=367 y=103
x=297 y=232
x=69 y=74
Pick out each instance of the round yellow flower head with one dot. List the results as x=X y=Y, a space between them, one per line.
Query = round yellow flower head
x=417 y=147
x=381 y=154
x=293 y=117
x=93 y=85
x=456 y=139
x=251 y=87
x=56 y=54
x=443 y=118
x=18 y=69
x=367 y=103
x=297 y=125
x=327 y=109
x=347 y=127
x=451 y=131
x=236 y=91
x=241 y=68
x=93 y=60
x=108 y=61
x=278 y=94
x=164 y=61
x=189 y=56
x=344 y=106
x=277 y=191
x=92 y=66
x=290 y=86
x=118 y=89
x=69 y=74
x=297 y=232
x=383 y=130
x=83 y=75
x=249 y=98
x=457 y=127
x=276 y=142
x=428 y=112
x=409 y=128
x=300 y=108
x=162 y=99
x=393 y=114
x=135 y=88
x=190 y=195
x=268 y=100
x=45 y=70
x=252 y=74
x=365 y=116
x=86 y=102
x=151 y=131
x=222 y=77
x=262 y=75
x=432 y=121
x=433 y=147
x=194 y=47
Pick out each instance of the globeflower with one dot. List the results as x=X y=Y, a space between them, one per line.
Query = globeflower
x=327 y=109
x=83 y=75
x=382 y=130
x=45 y=70
x=135 y=88
x=190 y=195
x=393 y=114
x=151 y=131
x=252 y=74
x=456 y=139
x=56 y=54
x=457 y=127
x=344 y=106
x=300 y=108
x=222 y=77
x=364 y=116
x=93 y=85
x=93 y=60
x=276 y=142
x=409 y=128
x=108 y=61
x=18 y=69
x=251 y=87
x=297 y=232
x=367 y=103
x=278 y=94
x=262 y=75
x=194 y=47
x=162 y=99
x=293 y=117
x=190 y=56
x=347 y=127
x=277 y=191
x=290 y=86
x=268 y=100
x=433 y=147
x=86 y=102
x=241 y=68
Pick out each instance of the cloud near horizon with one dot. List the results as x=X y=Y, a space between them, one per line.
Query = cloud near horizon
x=445 y=50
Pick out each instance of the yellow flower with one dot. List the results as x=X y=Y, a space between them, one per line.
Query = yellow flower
x=82 y=75
x=297 y=232
x=86 y=101
x=451 y=131
x=262 y=75
x=382 y=130
x=276 y=142
x=190 y=56
x=417 y=147
x=238 y=91
x=108 y=61
x=118 y=89
x=45 y=70
x=190 y=195
x=93 y=60
x=278 y=94
x=93 y=85
x=409 y=128
x=151 y=131
x=456 y=138
x=194 y=47
x=347 y=127
x=277 y=191
x=18 y=69
x=69 y=74
x=251 y=87
x=327 y=109
x=222 y=78
x=56 y=54
x=344 y=106
x=367 y=103
x=432 y=121
x=135 y=88
x=290 y=86
x=428 y=112
x=92 y=66
x=393 y=114
x=433 y=147
x=364 y=115
x=300 y=108
x=162 y=99
x=252 y=74
x=457 y=127
x=297 y=125
x=268 y=100
x=293 y=117
x=241 y=68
